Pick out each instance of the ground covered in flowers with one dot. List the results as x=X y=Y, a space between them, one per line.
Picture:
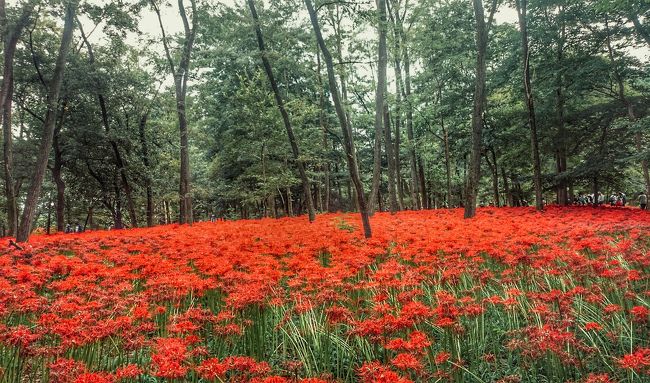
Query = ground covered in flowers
x=511 y=296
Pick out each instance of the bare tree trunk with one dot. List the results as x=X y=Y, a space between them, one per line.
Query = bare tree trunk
x=506 y=187
x=323 y=125
x=147 y=164
x=405 y=86
x=382 y=53
x=522 y=6
x=477 y=115
x=423 y=185
x=492 y=163
x=561 y=149
x=181 y=75
x=392 y=171
x=285 y=116
x=445 y=132
x=57 y=170
x=10 y=39
x=34 y=191
x=348 y=143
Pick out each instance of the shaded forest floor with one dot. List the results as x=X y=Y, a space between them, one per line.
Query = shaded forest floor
x=513 y=295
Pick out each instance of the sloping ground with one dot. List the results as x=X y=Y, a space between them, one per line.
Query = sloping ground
x=513 y=295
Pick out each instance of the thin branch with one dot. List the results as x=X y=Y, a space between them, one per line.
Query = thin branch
x=164 y=37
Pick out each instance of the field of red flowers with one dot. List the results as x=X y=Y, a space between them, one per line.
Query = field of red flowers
x=511 y=296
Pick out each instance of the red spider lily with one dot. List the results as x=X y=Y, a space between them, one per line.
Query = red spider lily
x=638 y=361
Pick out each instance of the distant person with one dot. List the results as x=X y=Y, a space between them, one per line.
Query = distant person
x=78 y=228
x=612 y=199
x=213 y=218
x=623 y=198
x=68 y=228
x=643 y=201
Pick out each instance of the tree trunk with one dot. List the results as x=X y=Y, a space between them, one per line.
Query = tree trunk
x=445 y=132
x=561 y=149
x=417 y=187
x=181 y=75
x=57 y=170
x=477 y=115
x=348 y=143
x=506 y=187
x=285 y=116
x=147 y=165
x=382 y=53
x=423 y=185
x=48 y=127
x=522 y=6
x=492 y=163
x=10 y=40
x=392 y=191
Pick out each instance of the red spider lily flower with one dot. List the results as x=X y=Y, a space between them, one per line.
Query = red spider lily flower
x=129 y=371
x=374 y=372
x=65 y=370
x=406 y=361
x=640 y=313
x=94 y=377
x=593 y=326
x=638 y=361
x=211 y=369
x=442 y=357
x=598 y=378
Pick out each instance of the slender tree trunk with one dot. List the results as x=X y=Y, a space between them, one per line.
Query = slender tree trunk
x=181 y=75
x=142 y=132
x=285 y=116
x=34 y=191
x=57 y=170
x=323 y=125
x=506 y=187
x=522 y=6
x=477 y=115
x=417 y=187
x=397 y=160
x=561 y=150
x=445 y=132
x=10 y=39
x=492 y=163
x=382 y=53
x=392 y=191
x=423 y=185
x=348 y=143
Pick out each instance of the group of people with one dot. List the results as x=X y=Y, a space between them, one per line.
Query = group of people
x=616 y=199
x=77 y=228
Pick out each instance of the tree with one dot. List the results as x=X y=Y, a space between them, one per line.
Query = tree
x=348 y=144
x=480 y=99
x=24 y=229
x=382 y=62
x=285 y=116
x=10 y=36
x=181 y=75
x=522 y=11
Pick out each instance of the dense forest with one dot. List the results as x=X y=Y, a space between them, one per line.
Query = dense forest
x=127 y=113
